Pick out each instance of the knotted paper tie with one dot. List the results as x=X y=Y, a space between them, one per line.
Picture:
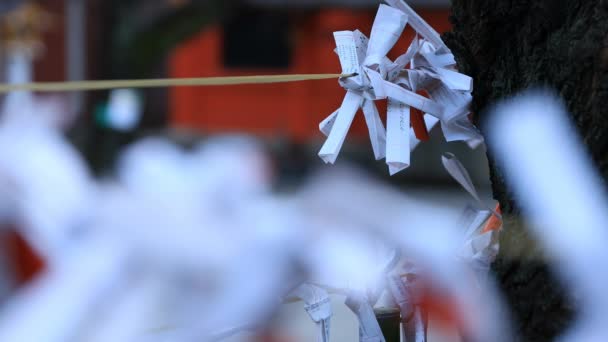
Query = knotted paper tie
x=431 y=69
x=360 y=55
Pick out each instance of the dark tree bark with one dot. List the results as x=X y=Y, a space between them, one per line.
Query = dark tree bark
x=511 y=45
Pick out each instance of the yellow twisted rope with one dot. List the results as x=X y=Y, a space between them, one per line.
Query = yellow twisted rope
x=166 y=82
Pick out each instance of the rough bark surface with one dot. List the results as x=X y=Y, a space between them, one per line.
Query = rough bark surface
x=511 y=45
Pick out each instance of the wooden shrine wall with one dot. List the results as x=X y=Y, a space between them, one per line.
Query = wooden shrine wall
x=287 y=110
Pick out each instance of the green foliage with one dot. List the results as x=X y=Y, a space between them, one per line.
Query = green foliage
x=141 y=37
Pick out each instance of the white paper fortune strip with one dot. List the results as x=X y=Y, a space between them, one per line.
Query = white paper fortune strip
x=318 y=306
x=398 y=136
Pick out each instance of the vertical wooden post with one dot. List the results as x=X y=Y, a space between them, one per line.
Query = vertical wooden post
x=390 y=323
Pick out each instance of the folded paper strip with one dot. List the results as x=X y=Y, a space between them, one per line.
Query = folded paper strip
x=318 y=307
x=427 y=65
x=483 y=224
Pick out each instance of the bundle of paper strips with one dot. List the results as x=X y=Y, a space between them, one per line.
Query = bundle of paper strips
x=427 y=65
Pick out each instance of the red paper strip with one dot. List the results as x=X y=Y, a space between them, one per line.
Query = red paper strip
x=420 y=129
x=494 y=223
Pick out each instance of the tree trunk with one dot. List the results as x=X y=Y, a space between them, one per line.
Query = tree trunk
x=511 y=45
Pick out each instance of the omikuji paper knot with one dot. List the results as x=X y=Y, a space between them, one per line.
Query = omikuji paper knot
x=431 y=68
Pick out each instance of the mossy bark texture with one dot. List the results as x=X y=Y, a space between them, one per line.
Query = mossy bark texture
x=511 y=45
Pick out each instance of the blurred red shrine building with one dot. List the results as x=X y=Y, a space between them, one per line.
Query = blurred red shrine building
x=289 y=110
